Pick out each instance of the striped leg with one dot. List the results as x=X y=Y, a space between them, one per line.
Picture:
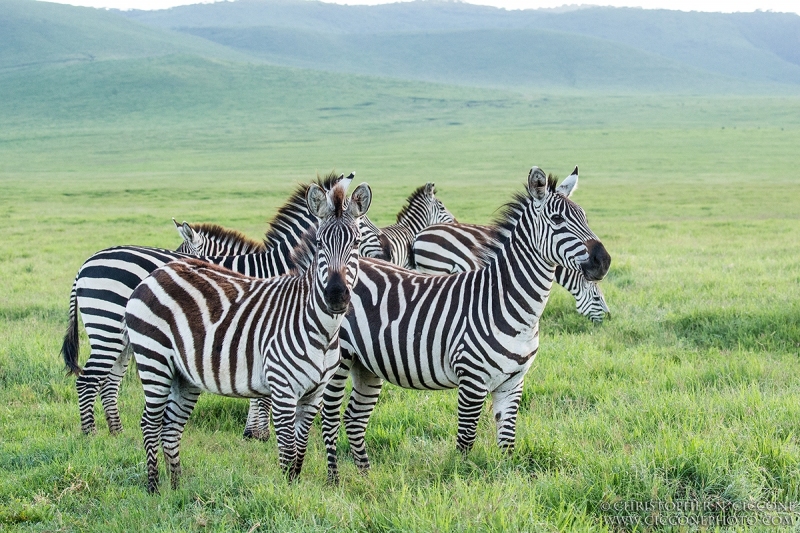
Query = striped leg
x=505 y=405
x=181 y=402
x=257 y=426
x=284 y=415
x=306 y=411
x=366 y=390
x=332 y=413
x=156 y=396
x=109 y=391
x=471 y=395
x=106 y=351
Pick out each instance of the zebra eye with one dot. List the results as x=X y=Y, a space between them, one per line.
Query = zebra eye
x=557 y=218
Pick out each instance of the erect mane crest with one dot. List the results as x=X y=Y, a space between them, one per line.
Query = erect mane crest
x=220 y=233
x=287 y=213
x=507 y=219
x=419 y=191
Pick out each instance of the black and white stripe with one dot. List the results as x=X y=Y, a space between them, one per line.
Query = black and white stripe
x=393 y=243
x=477 y=331
x=194 y=327
x=106 y=280
x=444 y=249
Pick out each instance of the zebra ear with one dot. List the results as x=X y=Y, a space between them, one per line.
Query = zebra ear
x=317 y=201
x=345 y=182
x=569 y=185
x=186 y=231
x=430 y=188
x=537 y=184
x=360 y=201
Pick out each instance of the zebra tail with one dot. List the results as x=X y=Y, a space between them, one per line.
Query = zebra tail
x=70 y=346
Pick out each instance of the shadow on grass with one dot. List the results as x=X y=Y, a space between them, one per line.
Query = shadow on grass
x=772 y=330
x=218 y=413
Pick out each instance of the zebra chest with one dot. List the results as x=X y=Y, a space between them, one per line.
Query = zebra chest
x=298 y=371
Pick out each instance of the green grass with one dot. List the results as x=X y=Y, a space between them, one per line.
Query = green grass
x=689 y=390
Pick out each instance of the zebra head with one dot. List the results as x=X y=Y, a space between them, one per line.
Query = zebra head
x=566 y=239
x=424 y=209
x=337 y=240
x=592 y=303
x=437 y=212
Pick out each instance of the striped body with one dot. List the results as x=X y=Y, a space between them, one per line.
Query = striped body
x=476 y=331
x=106 y=281
x=452 y=248
x=393 y=243
x=194 y=327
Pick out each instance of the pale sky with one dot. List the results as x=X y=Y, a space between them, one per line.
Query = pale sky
x=682 y=5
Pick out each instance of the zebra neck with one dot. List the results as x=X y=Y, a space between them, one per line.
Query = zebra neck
x=413 y=221
x=520 y=279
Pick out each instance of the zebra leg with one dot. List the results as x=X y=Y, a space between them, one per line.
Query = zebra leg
x=284 y=414
x=107 y=346
x=257 y=426
x=156 y=397
x=471 y=395
x=180 y=405
x=332 y=400
x=109 y=391
x=366 y=389
x=306 y=411
x=505 y=405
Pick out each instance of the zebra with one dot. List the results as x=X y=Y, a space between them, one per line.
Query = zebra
x=213 y=239
x=106 y=280
x=450 y=248
x=393 y=243
x=195 y=327
x=476 y=331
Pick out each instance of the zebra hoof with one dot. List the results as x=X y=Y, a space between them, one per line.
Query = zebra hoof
x=333 y=481
x=115 y=430
x=89 y=431
x=152 y=488
x=256 y=434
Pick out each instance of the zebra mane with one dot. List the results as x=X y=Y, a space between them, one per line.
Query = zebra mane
x=286 y=214
x=419 y=191
x=506 y=220
x=219 y=233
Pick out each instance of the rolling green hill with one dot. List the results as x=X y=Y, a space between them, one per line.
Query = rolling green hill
x=760 y=47
x=33 y=33
x=489 y=58
x=597 y=49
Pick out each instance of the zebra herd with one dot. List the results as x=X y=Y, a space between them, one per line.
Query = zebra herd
x=426 y=303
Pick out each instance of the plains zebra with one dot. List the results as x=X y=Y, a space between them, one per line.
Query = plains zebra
x=106 y=280
x=393 y=243
x=451 y=248
x=194 y=328
x=213 y=239
x=477 y=331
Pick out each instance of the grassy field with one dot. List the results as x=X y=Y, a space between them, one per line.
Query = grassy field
x=689 y=391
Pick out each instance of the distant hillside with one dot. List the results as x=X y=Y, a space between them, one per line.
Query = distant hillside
x=39 y=33
x=532 y=58
x=761 y=47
